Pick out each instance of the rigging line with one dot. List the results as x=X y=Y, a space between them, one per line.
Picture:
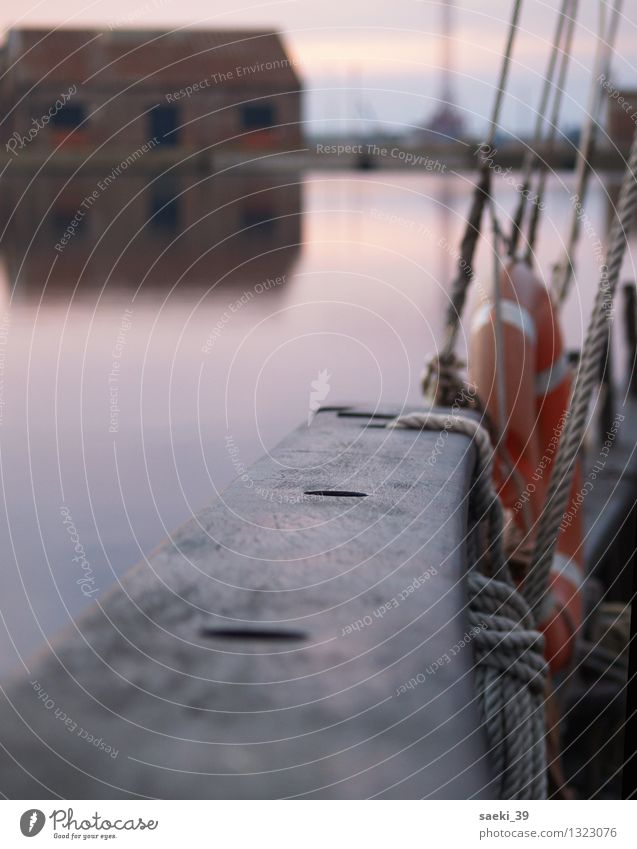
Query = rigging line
x=550 y=141
x=536 y=583
x=563 y=270
x=530 y=155
x=504 y=73
x=464 y=274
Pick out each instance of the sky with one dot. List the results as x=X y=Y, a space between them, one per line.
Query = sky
x=367 y=63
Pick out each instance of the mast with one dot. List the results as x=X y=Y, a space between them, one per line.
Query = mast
x=446 y=119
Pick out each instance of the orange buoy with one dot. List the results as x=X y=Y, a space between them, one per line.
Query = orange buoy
x=537 y=383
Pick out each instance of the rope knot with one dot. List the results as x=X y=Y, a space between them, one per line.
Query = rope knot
x=444 y=385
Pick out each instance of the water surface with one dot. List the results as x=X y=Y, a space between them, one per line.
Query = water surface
x=179 y=317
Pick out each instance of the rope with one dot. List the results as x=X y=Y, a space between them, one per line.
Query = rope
x=510 y=668
x=563 y=270
x=557 y=102
x=535 y=586
x=530 y=154
x=464 y=274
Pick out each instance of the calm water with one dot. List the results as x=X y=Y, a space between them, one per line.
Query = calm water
x=132 y=351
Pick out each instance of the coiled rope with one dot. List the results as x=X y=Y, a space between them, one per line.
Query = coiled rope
x=536 y=583
x=508 y=650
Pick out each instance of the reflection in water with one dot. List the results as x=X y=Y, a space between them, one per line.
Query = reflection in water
x=189 y=313
x=117 y=231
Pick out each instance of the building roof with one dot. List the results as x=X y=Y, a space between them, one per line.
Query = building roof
x=153 y=57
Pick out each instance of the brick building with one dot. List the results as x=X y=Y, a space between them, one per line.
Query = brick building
x=90 y=90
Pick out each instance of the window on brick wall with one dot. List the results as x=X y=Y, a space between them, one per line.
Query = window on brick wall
x=257 y=116
x=63 y=214
x=164 y=206
x=164 y=123
x=70 y=116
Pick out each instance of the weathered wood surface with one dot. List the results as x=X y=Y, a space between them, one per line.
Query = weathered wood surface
x=194 y=713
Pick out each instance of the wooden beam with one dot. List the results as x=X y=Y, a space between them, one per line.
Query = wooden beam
x=267 y=648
